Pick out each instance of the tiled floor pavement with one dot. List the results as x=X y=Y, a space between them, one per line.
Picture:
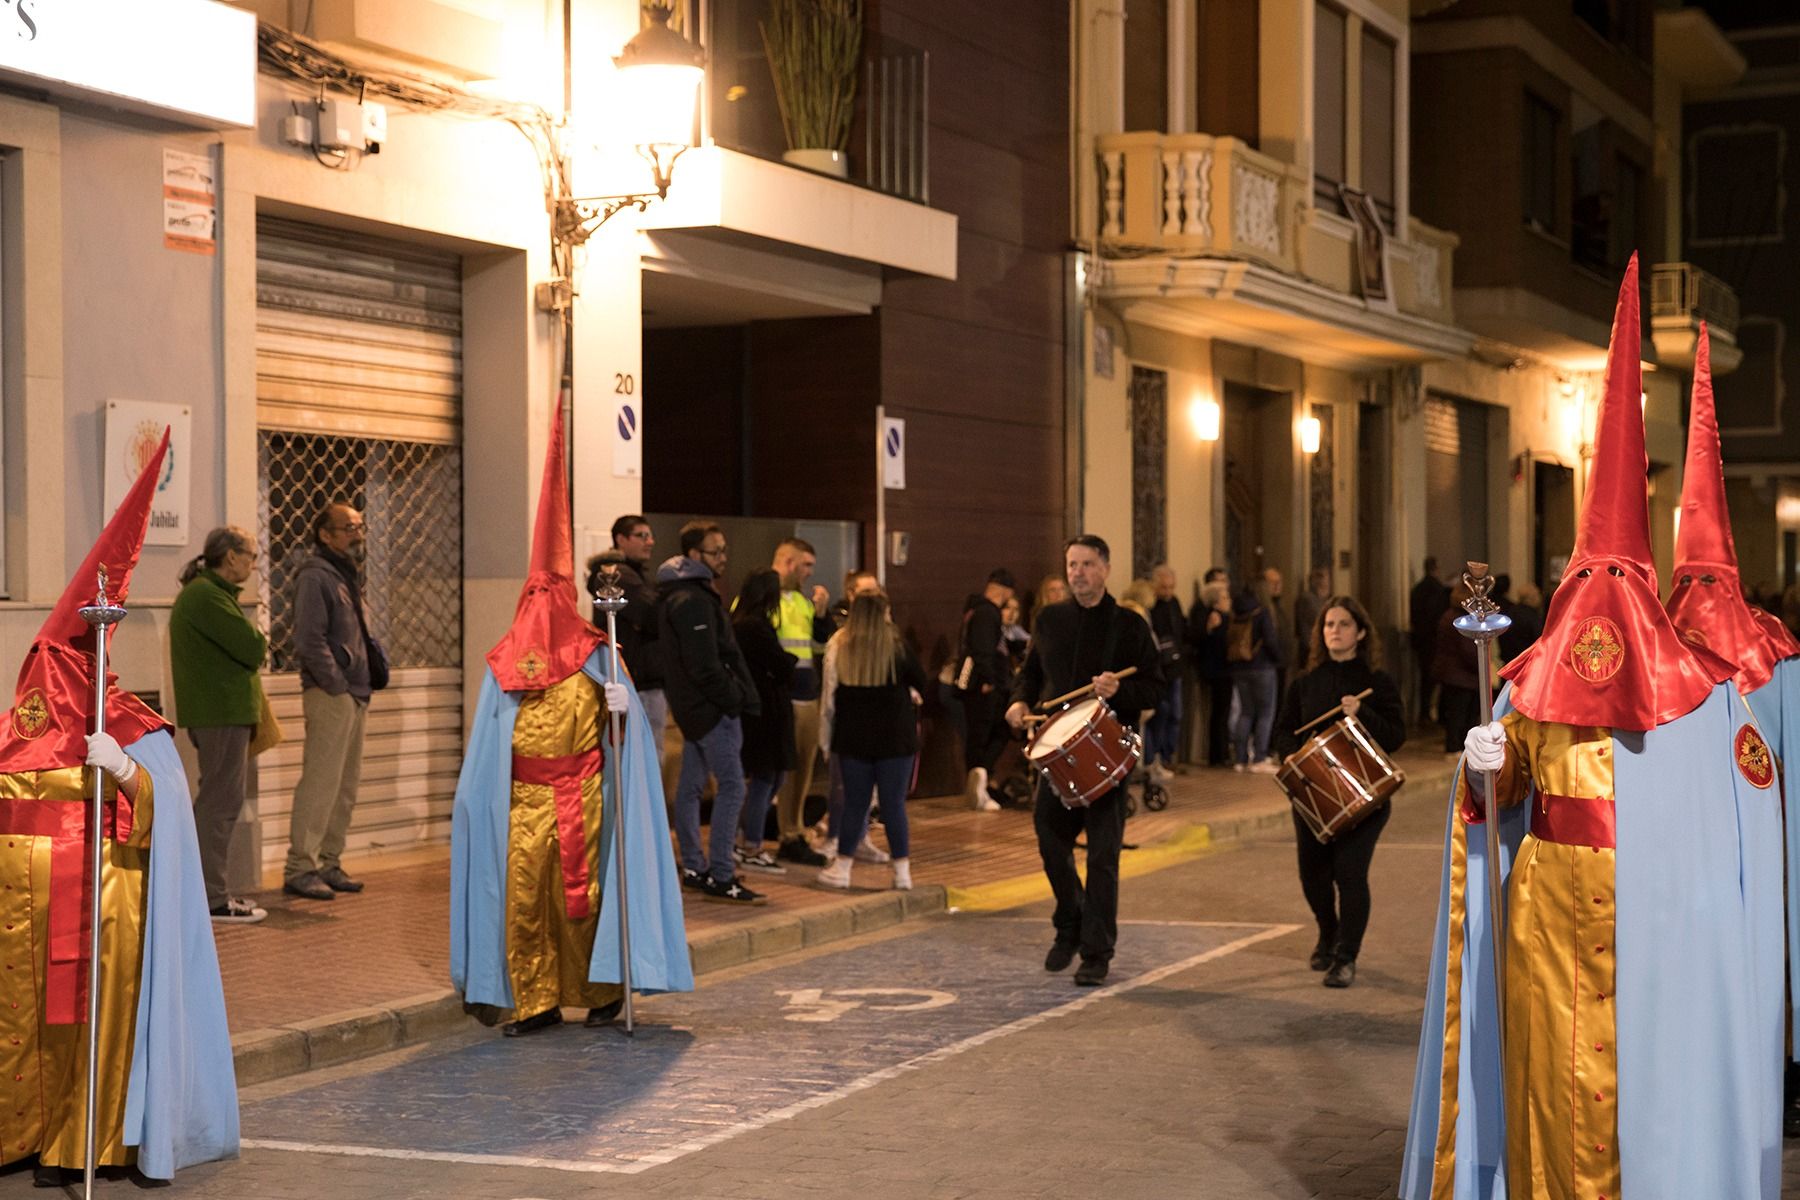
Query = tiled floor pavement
x=312 y=959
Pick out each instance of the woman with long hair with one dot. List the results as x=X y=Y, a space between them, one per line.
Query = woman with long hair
x=1343 y=661
x=869 y=725
x=768 y=750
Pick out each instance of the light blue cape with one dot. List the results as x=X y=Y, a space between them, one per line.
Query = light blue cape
x=479 y=828
x=1777 y=707
x=181 y=1102
x=1698 y=1102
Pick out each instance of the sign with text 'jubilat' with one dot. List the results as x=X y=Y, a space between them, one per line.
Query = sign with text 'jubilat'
x=189 y=60
x=134 y=429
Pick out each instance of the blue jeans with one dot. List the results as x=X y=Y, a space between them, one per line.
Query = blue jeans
x=759 y=794
x=1163 y=731
x=717 y=754
x=1252 y=715
x=862 y=778
x=834 y=800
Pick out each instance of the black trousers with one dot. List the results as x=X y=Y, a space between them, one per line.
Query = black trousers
x=1334 y=876
x=1458 y=710
x=1086 y=918
x=985 y=731
x=1218 y=722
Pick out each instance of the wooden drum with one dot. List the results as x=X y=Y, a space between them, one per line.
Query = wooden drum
x=1338 y=779
x=1084 y=752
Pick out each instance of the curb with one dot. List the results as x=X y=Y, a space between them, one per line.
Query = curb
x=260 y=1055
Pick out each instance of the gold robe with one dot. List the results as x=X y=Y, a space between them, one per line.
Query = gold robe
x=547 y=951
x=43 y=1066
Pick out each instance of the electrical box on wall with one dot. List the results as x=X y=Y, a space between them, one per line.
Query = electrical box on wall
x=899 y=544
x=346 y=124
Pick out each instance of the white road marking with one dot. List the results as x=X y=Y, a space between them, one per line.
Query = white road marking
x=694 y=1145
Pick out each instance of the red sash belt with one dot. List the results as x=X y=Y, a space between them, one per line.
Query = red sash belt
x=564 y=776
x=64 y=822
x=1574 y=820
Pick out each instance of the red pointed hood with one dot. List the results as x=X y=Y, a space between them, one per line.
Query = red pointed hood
x=549 y=639
x=1609 y=655
x=1706 y=600
x=53 y=704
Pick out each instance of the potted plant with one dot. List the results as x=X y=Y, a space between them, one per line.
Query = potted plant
x=815 y=55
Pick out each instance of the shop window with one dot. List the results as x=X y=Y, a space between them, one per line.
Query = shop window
x=1378 y=84
x=1751 y=209
x=1542 y=121
x=1330 y=45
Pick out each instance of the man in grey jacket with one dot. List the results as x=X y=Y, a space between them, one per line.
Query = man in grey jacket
x=334 y=695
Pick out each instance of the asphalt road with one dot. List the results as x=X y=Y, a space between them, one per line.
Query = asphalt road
x=933 y=1061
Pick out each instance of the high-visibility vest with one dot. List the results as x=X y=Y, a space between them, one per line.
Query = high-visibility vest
x=793 y=621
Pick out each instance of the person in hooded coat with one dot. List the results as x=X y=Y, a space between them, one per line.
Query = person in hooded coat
x=1708 y=608
x=1633 y=1064
x=533 y=924
x=167 y=1094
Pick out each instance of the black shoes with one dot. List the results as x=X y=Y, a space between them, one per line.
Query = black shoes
x=691 y=878
x=729 y=891
x=543 y=1020
x=53 y=1177
x=795 y=850
x=1342 y=973
x=309 y=887
x=335 y=879
x=1059 y=957
x=606 y=1014
x=1091 y=972
x=1322 y=956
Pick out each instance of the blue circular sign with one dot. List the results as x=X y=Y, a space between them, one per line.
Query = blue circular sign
x=893 y=443
x=627 y=422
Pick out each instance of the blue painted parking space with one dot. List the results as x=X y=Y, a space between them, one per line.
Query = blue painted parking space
x=734 y=1057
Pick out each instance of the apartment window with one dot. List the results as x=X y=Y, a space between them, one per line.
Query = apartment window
x=1330 y=44
x=1378 y=85
x=1751 y=208
x=1227 y=89
x=1147 y=64
x=1541 y=125
x=1623 y=23
x=1626 y=233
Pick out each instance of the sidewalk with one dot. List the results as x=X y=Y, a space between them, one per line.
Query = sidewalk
x=322 y=983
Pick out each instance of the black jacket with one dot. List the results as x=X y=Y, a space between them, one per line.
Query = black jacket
x=1069 y=646
x=768 y=734
x=1321 y=689
x=705 y=677
x=983 y=638
x=1170 y=628
x=1430 y=597
x=879 y=722
x=636 y=621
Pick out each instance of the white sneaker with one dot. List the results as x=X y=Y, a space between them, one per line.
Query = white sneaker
x=238 y=912
x=987 y=803
x=836 y=873
x=975 y=788
x=869 y=852
x=1237 y=766
x=903 y=875
x=1160 y=773
x=1264 y=766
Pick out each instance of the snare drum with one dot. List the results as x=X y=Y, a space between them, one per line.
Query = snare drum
x=1338 y=779
x=1084 y=752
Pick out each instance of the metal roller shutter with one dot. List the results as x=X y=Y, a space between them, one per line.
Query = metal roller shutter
x=359 y=397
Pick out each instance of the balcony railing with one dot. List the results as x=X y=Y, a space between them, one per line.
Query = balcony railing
x=1193 y=195
x=1685 y=292
x=889 y=140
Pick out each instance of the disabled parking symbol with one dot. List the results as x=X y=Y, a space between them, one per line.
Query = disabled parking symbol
x=816 y=1005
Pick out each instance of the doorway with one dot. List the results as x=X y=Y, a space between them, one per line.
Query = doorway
x=1456 y=481
x=1552 y=522
x=1259 y=481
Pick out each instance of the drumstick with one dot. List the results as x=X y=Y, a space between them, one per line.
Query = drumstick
x=1079 y=692
x=1033 y=720
x=1362 y=695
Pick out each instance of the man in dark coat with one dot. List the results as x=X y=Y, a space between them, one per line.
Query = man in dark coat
x=633 y=543
x=1430 y=596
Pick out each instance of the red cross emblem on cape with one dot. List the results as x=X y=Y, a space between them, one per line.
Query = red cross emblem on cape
x=1754 y=762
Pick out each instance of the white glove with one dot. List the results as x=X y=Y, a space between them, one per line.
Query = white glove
x=618 y=698
x=104 y=753
x=1484 y=749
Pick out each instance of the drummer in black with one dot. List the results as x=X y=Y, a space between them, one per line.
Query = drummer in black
x=1086 y=640
x=1344 y=661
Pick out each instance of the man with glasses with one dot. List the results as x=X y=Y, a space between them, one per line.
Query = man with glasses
x=331 y=645
x=708 y=686
x=632 y=545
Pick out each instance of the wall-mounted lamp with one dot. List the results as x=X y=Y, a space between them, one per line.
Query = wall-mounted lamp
x=1310 y=432
x=1205 y=417
x=660 y=73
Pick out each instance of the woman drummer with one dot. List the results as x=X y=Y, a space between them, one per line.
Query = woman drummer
x=1344 y=661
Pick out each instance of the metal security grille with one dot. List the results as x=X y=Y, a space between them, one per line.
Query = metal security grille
x=411 y=496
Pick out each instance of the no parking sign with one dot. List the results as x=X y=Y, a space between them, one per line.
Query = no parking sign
x=893 y=452
x=628 y=446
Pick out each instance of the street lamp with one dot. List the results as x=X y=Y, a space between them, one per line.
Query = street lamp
x=1310 y=431
x=660 y=73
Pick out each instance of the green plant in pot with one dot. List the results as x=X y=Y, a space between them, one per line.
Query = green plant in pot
x=815 y=56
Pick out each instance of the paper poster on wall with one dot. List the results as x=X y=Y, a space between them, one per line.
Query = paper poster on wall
x=190 y=202
x=893 y=453
x=134 y=429
x=628 y=447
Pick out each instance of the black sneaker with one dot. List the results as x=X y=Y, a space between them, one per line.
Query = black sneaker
x=795 y=850
x=1091 y=972
x=691 y=878
x=729 y=891
x=1060 y=956
x=238 y=912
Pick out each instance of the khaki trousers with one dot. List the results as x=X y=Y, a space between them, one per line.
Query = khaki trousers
x=330 y=769
x=790 y=809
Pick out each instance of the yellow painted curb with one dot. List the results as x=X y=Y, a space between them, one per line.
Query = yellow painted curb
x=1184 y=845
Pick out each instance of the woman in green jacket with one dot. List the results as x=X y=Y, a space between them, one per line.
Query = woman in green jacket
x=215 y=653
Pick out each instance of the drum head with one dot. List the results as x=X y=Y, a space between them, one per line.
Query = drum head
x=1056 y=730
